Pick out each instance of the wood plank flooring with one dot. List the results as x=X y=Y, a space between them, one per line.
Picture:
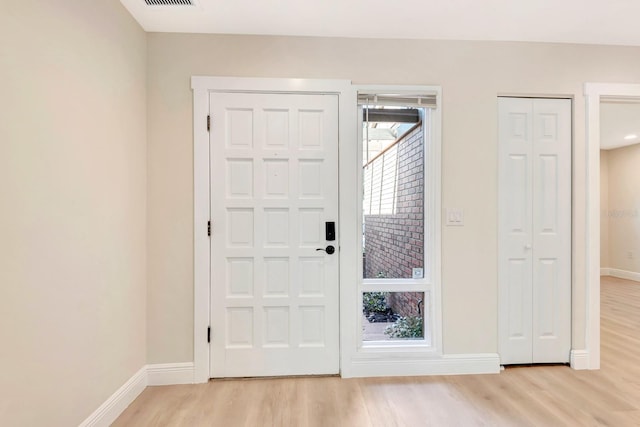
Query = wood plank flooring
x=527 y=396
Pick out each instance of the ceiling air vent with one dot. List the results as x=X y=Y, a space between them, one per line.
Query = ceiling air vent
x=169 y=2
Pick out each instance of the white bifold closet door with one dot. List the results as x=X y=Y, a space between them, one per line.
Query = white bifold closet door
x=534 y=230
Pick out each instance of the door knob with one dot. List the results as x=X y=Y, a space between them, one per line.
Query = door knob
x=329 y=249
x=527 y=246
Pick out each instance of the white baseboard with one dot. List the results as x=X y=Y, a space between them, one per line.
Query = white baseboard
x=170 y=373
x=605 y=271
x=579 y=359
x=449 y=364
x=118 y=402
x=484 y=363
x=623 y=274
x=149 y=375
x=183 y=373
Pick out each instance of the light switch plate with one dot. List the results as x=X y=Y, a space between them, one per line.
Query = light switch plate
x=454 y=216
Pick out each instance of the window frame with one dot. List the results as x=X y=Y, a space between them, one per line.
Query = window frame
x=431 y=281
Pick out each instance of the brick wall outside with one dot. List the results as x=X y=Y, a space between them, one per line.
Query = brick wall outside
x=394 y=243
x=406 y=303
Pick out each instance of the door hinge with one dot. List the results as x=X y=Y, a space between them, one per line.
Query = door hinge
x=208 y=123
x=209 y=228
x=209 y=334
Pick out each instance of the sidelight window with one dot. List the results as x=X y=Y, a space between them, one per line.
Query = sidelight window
x=399 y=220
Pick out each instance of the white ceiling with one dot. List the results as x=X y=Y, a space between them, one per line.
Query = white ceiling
x=567 y=21
x=617 y=120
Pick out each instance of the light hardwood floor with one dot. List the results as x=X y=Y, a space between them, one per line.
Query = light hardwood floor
x=528 y=396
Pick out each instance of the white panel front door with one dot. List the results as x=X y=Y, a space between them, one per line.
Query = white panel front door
x=534 y=268
x=274 y=185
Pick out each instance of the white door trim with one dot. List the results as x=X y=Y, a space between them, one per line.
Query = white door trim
x=347 y=202
x=594 y=92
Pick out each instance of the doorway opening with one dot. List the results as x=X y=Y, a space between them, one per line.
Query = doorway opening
x=619 y=193
x=595 y=94
x=619 y=221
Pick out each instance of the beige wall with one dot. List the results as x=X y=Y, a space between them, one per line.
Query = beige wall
x=472 y=74
x=604 y=209
x=624 y=208
x=72 y=207
x=75 y=185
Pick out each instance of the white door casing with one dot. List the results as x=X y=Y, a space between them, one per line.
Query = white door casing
x=274 y=184
x=594 y=93
x=534 y=270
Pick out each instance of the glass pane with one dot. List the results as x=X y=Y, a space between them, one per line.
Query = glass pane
x=393 y=200
x=394 y=316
